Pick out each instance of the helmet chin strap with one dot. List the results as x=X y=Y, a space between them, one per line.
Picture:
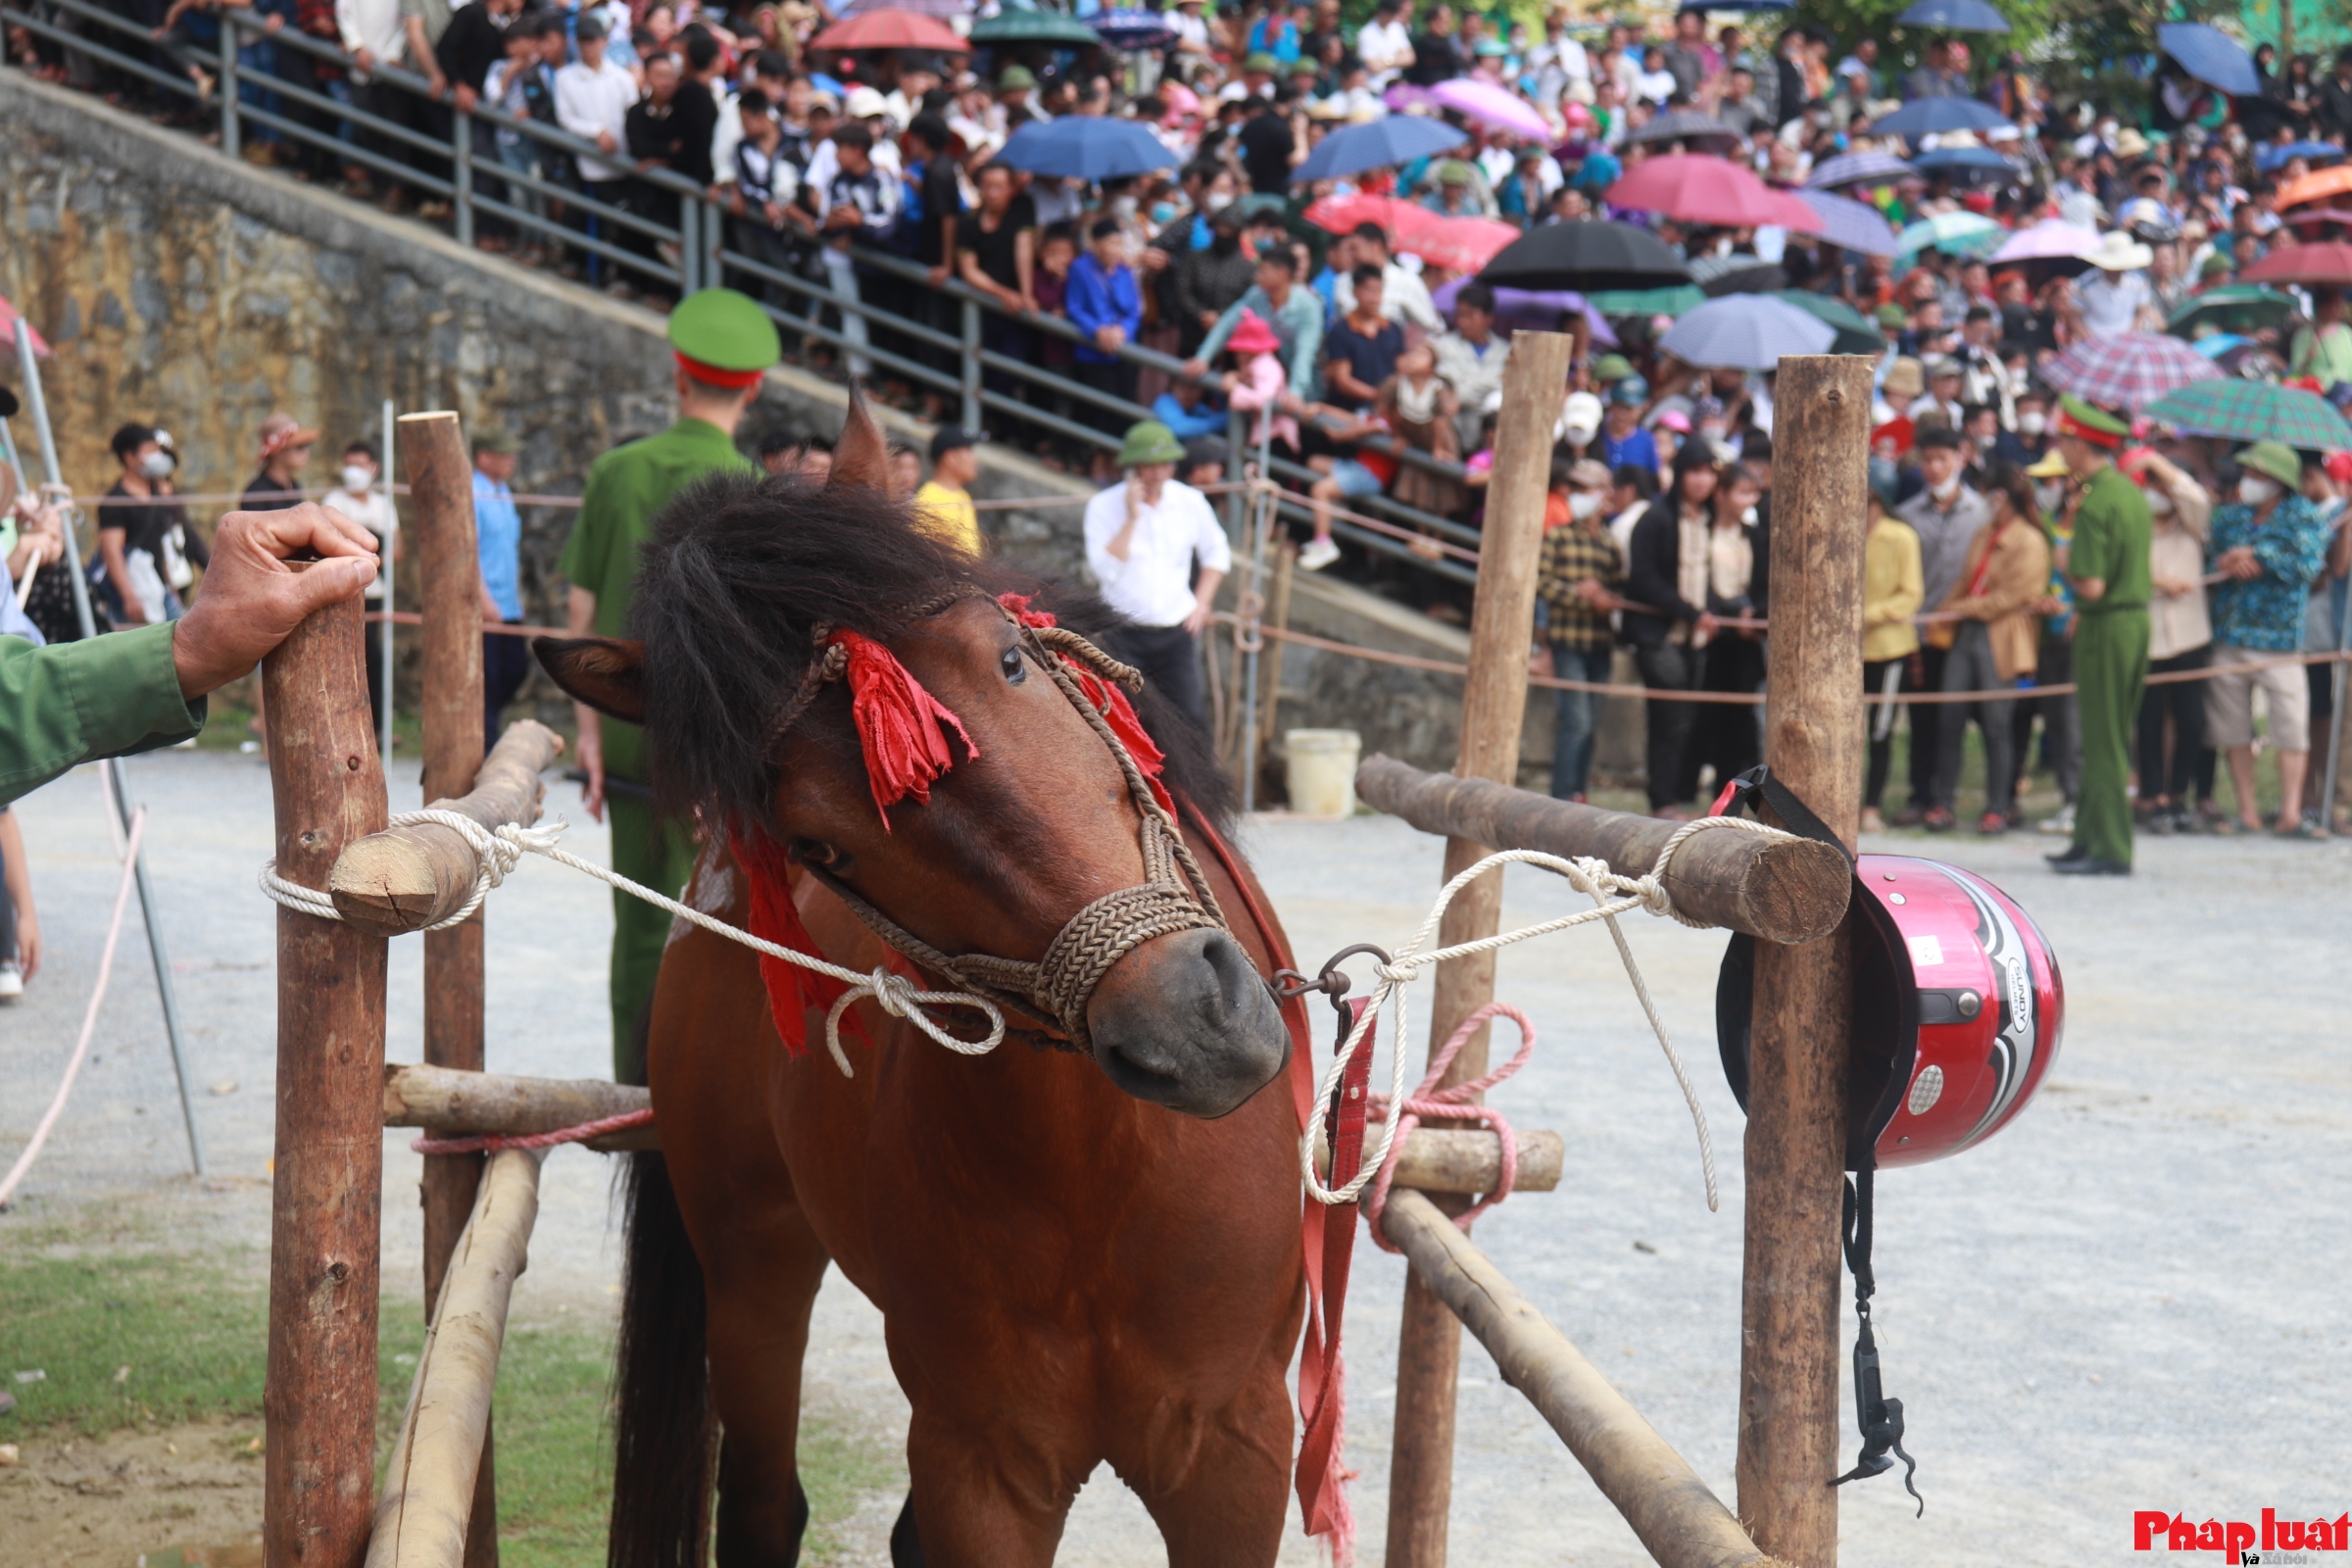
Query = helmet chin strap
x=1881 y=1418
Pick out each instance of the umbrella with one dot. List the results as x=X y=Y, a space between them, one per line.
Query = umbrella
x=2327 y=264
x=2219 y=344
x=1034 y=26
x=1954 y=234
x=1084 y=148
x=2232 y=307
x=2271 y=156
x=1460 y=244
x=1858 y=168
x=1856 y=333
x=1387 y=141
x=1736 y=273
x=1588 y=255
x=2318 y=217
x=2128 y=371
x=8 y=334
x=1133 y=29
x=2254 y=410
x=2211 y=56
x=1747 y=332
x=2051 y=239
x=1624 y=302
x=891 y=29
x=1924 y=116
x=1482 y=101
x=1396 y=216
x=944 y=10
x=1954 y=16
x=2316 y=184
x=1851 y=226
x=1527 y=310
x=1697 y=188
x=1957 y=158
x=1684 y=124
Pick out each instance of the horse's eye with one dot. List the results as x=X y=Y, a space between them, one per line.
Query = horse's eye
x=812 y=853
x=1015 y=667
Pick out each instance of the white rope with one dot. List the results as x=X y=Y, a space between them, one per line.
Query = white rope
x=497 y=854
x=1612 y=894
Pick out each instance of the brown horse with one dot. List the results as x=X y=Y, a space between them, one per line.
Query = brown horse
x=1076 y=1261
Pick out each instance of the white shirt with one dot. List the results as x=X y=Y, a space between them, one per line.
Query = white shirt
x=1386 y=49
x=825 y=162
x=725 y=136
x=373 y=512
x=1403 y=298
x=589 y=101
x=2111 y=302
x=1153 y=586
x=373 y=25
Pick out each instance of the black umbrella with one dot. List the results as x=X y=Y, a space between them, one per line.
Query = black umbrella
x=1585 y=255
x=1718 y=276
x=1684 y=124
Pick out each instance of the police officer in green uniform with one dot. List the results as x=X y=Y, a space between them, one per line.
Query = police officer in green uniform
x=724 y=345
x=2107 y=566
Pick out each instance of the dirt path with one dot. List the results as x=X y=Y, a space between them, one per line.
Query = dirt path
x=100 y=1502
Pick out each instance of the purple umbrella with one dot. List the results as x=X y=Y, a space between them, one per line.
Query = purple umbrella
x=1482 y=101
x=2128 y=371
x=943 y=10
x=1851 y=226
x=1859 y=169
x=2051 y=239
x=1528 y=309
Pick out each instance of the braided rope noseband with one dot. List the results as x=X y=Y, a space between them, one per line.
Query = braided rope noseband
x=1175 y=895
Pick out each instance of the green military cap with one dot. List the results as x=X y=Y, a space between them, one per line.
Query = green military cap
x=2275 y=459
x=1610 y=368
x=724 y=338
x=1150 y=441
x=1016 y=78
x=1892 y=316
x=2097 y=426
x=1259 y=64
x=493 y=438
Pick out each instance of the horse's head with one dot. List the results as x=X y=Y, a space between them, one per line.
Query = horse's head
x=768 y=612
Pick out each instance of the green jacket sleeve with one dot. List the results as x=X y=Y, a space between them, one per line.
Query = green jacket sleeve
x=72 y=703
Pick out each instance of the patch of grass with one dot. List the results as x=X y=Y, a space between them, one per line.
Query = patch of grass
x=191 y=1334
x=837 y=1471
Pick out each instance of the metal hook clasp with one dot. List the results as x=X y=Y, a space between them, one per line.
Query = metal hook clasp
x=1290 y=985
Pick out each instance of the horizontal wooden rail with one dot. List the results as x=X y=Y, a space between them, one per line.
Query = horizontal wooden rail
x=1439 y=1159
x=428 y=1488
x=1679 y=1520
x=406 y=878
x=1780 y=889
x=455 y=1103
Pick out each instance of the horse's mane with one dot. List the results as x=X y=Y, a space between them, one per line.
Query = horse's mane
x=735 y=581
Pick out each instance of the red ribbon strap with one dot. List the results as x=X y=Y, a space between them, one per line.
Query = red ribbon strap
x=901 y=726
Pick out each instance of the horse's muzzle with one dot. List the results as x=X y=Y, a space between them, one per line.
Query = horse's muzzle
x=1185 y=1021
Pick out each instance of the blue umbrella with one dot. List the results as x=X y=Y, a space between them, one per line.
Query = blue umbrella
x=1389 y=141
x=1964 y=158
x=1851 y=226
x=1954 y=16
x=1858 y=168
x=1086 y=147
x=2270 y=156
x=1133 y=29
x=1746 y=331
x=1923 y=117
x=2211 y=56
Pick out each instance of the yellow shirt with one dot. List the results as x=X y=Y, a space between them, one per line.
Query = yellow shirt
x=1891 y=589
x=947 y=516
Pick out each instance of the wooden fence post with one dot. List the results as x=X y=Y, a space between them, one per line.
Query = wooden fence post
x=1795 y=1161
x=326 y=1196
x=440 y=475
x=1494 y=703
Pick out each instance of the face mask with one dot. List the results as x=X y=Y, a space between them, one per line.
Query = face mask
x=1583 y=504
x=2160 y=505
x=156 y=464
x=2254 y=491
x=1122 y=208
x=2049 y=497
x=1216 y=201
x=1946 y=490
x=357 y=479
x=2032 y=424
x=1164 y=212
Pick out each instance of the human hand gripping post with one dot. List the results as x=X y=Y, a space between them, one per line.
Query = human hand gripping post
x=257 y=590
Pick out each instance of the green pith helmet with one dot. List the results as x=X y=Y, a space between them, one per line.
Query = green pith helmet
x=1016 y=78
x=2275 y=459
x=725 y=330
x=1150 y=441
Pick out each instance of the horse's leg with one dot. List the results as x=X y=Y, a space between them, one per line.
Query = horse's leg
x=980 y=1499
x=1220 y=1491
x=763 y=1282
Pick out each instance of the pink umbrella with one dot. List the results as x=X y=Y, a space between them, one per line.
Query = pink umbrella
x=1400 y=220
x=1460 y=244
x=8 y=334
x=2051 y=239
x=1699 y=189
x=2128 y=371
x=1482 y=101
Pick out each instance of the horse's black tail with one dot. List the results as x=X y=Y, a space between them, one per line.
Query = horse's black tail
x=665 y=1439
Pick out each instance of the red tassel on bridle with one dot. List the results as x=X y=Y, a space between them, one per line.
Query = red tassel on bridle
x=901 y=726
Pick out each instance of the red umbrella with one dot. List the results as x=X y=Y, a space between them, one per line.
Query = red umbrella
x=2329 y=265
x=1460 y=244
x=892 y=29
x=1397 y=217
x=1697 y=188
x=8 y=334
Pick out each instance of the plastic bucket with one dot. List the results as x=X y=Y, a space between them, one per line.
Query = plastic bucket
x=1320 y=769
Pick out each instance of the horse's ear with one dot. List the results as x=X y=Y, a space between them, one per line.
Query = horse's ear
x=860 y=457
x=605 y=672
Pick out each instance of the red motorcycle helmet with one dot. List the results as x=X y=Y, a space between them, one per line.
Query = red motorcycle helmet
x=1958 y=1011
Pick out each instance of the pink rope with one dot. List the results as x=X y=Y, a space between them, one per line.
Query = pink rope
x=491 y=1142
x=89 y=1018
x=1453 y=1104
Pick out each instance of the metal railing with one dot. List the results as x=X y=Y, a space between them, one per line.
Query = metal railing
x=692 y=253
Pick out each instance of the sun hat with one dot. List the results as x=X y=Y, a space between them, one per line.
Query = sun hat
x=1589 y=473
x=1150 y=441
x=864 y=103
x=2119 y=252
x=1251 y=335
x=2275 y=459
x=1580 y=418
x=1906 y=379
x=2051 y=466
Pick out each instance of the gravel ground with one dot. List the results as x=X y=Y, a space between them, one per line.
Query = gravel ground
x=2129 y=1300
